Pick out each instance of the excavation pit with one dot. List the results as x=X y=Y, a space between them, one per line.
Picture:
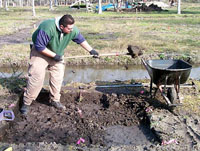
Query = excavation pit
x=93 y=117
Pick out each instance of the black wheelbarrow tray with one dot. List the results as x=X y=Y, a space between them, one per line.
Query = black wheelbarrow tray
x=168 y=72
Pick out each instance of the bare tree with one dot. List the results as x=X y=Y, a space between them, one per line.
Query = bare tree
x=6 y=5
x=50 y=5
x=1 y=5
x=118 y=7
x=21 y=3
x=179 y=7
x=100 y=7
x=55 y=2
x=13 y=3
x=33 y=8
x=27 y=3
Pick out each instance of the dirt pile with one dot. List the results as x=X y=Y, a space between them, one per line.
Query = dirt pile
x=176 y=130
x=143 y=7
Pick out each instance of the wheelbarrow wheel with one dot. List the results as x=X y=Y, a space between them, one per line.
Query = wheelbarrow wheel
x=172 y=95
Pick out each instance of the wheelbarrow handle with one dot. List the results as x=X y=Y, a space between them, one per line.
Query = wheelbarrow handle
x=145 y=64
x=143 y=61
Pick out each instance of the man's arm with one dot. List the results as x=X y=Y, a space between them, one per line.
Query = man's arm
x=79 y=39
x=48 y=53
x=51 y=54
x=86 y=46
x=41 y=43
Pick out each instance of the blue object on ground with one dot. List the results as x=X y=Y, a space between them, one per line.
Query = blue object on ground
x=105 y=7
x=6 y=115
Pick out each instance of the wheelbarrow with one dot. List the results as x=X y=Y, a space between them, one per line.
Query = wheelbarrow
x=169 y=73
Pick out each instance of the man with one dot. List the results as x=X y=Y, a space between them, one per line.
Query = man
x=49 y=42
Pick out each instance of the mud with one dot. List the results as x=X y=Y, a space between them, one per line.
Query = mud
x=96 y=117
x=99 y=118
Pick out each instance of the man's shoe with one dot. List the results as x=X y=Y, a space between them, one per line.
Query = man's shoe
x=58 y=105
x=24 y=109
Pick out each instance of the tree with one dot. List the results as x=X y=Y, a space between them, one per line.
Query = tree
x=179 y=7
x=1 y=4
x=21 y=3
x=100 y=8
x=6 y=5
x=55 y=2
x=33 y=8
x=50 y=5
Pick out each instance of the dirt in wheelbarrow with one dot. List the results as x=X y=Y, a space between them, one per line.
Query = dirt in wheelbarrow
x=124 y=118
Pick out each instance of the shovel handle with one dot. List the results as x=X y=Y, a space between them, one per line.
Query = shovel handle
x=100 y=55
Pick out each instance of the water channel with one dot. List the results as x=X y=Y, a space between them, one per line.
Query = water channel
x=87 y=74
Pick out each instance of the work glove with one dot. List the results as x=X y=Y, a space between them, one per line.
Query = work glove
x=94 y=53
x=57 y=58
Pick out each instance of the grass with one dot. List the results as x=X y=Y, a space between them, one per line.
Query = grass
x=192 y=104
x=191 y=101
x=155 y=32
x=15 y=54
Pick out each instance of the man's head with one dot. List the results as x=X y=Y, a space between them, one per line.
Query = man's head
x=66 y=23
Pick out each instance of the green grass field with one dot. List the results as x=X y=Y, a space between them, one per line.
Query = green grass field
x=155 y=32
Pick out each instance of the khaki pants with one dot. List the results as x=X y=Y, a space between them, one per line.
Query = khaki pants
x=36 y=74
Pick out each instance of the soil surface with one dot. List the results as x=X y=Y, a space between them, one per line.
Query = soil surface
x=88 y=115
x=21 y=37
x=101 y=118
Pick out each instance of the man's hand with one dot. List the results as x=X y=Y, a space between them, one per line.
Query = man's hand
x=94 y=53
x=57 y=58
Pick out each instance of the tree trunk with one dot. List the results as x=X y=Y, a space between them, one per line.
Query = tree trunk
x=1 y=4
x=50 y=5
x=21 y=3
x=55 y=2
x=179 y=7
x=33 y=8
x=6 y=5
x=100 y=8
x=28 y=3
x=13 y=4
x=118 y=5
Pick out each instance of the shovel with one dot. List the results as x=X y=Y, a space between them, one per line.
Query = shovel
x=133 y=51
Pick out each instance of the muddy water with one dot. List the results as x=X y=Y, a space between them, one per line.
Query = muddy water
x=87 y=74
x=123 y=135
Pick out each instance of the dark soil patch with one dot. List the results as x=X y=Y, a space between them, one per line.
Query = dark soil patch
x=21 y=36
x=90 y=115
x=18 y=37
